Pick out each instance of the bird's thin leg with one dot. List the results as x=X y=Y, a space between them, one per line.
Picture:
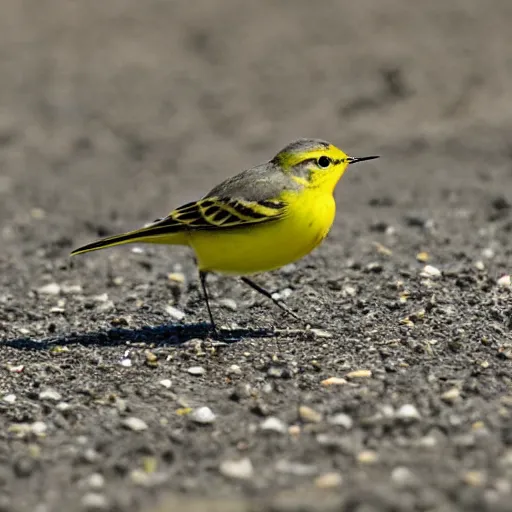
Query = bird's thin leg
x=267 y=294
x=202 y=278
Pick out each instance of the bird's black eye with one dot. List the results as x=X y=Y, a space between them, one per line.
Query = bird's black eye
x=324 y=162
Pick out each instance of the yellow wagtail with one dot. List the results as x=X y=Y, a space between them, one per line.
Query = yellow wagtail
x=256 y=221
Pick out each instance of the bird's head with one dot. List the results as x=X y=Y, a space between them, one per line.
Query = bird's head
x=315 y=163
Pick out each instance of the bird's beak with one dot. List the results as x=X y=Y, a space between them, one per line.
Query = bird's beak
x=355 y=159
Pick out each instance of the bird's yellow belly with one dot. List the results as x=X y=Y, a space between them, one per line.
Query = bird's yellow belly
x=264 y=247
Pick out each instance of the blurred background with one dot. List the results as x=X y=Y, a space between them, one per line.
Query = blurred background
x=112 y=113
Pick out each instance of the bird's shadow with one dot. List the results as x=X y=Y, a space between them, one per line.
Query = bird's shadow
x=162 y=335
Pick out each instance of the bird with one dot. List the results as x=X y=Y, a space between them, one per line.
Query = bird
x=257 y=221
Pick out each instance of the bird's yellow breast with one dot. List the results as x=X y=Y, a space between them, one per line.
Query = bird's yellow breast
x=267 y=246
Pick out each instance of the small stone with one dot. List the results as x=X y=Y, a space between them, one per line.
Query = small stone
x=105 y=307
x=359 y=374
x=96 y=481
x=94 y=502
x=63 y=406
x=241 y=469
x=295 y=468
x=309 y=415
x=430 y=271
x=139 y=477
x=320 y=333
x=474 y=478
x=283 y=294
x=488 y=253
x=175 y=313
x=451 y=396
x=367 y=457
x=294 y=430
x=50 y=394
x=135 y=424
x=10 y=399
x=278 y=372
x=288 y=269
x=273 y=424
x=228 y=304
x=349 y=291
x=422 y=256
x=402 y=477
x=151 y=358
x=408 y=412
x=427 y=442
x=329 y=480
x=102 y=297
x=39 y=428
x=126 y=362
x=341 y=419
x=333 y=381
x=176 y=277
x=504 y=281
x=196 y=370
x=479 y=265
x=234 y=369
x=203 y=416
x=166 y=383
x=71 y=289
x=49 y=289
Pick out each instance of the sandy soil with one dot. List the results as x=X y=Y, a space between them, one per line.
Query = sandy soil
x=111 y=114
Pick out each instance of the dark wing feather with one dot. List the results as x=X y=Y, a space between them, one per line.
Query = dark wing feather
x=253 y=196
x=214 y=213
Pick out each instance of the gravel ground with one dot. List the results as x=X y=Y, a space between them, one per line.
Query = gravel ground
x=112 y=395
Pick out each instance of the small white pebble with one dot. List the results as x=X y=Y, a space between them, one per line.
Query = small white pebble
x=175 y=313
x=329 y=480
x=241 y=469
x=229 y=304
x=10 y=399
x=102 y=297
x=234 y=369
x=196 y=370
x=135 y=424
x=273 y=424
x=166 y=383
x=479 y=265
x=408 y=412
x=349 y=291
x=126 y=362
x=430 y=271
x=93 y=501
x=96 y=481
x=38 y=428
x=203 y=415
x=295 y=468
x=451 y=395
x=72 y=289
x=50 y=394
x=341 y=419
x=504 y=281
x=320 y=333
x=62 y=406
x=402 y=477
x=49 y=289
x=488 y=253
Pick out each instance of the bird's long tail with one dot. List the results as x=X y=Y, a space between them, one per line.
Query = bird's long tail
x=155 y=234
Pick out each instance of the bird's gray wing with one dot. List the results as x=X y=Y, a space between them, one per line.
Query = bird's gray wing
x=253 y=196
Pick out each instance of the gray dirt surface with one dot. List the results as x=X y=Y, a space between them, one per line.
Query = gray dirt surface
x=114 y=112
